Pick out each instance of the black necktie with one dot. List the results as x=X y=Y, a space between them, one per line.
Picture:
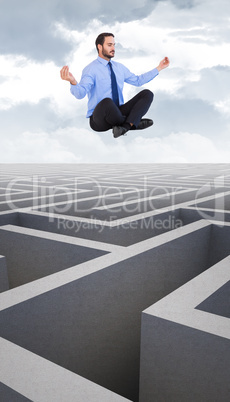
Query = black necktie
x=114 y=86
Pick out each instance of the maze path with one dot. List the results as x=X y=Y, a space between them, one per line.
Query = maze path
x=114 y=282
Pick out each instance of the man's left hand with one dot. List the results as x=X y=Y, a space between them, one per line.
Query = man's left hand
x=163 y=64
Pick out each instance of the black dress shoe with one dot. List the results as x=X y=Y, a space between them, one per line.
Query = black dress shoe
x=118 y=131
x=144 y=123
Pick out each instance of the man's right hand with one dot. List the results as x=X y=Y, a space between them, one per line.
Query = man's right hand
x=67 y=75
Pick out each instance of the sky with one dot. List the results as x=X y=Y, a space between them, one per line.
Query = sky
x=41 y=122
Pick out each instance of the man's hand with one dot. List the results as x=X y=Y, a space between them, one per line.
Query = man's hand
x=163 y=64
x=67 y=76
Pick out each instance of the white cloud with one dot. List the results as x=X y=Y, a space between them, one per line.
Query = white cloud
x=196 y=41
x=26 y=80
x=85 y=146
x=224 y=107
x=35 y=148
x=190 y=37
x=168 y=30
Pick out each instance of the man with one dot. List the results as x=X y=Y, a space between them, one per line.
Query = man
x=103 y=81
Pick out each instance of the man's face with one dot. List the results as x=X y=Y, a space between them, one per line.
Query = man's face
x=107 y=50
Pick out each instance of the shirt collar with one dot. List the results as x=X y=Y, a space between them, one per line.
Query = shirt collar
x=103 y=61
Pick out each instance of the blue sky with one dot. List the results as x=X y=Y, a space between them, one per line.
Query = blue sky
x=42 y=122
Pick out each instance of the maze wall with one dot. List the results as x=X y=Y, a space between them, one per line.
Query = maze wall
x=115 y=282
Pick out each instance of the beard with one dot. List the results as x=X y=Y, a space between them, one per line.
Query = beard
x=108 y=55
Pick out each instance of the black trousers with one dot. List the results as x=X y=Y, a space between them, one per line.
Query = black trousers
x=107 y=114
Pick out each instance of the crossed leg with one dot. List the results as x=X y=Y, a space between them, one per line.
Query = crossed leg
x=106 y=114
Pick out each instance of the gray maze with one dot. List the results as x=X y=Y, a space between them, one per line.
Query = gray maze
x=115 y=283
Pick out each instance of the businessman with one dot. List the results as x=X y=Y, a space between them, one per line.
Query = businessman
x=103 y=80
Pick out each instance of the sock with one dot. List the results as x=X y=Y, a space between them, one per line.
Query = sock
x=127 y=126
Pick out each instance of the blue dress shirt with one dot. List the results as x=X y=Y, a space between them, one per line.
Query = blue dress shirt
x=96 y=82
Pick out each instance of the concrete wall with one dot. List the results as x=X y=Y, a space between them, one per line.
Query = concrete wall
x=89 y=247
x=185 y=344
x=30 y=256
x=92 y=325
x=123 y=233
x=218 y=303
x=182 y=364
x=7 y=394
x=4 y=282
x=28 y=377
x=131 y=203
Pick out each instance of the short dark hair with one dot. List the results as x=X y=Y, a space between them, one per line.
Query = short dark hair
x=101 y=38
